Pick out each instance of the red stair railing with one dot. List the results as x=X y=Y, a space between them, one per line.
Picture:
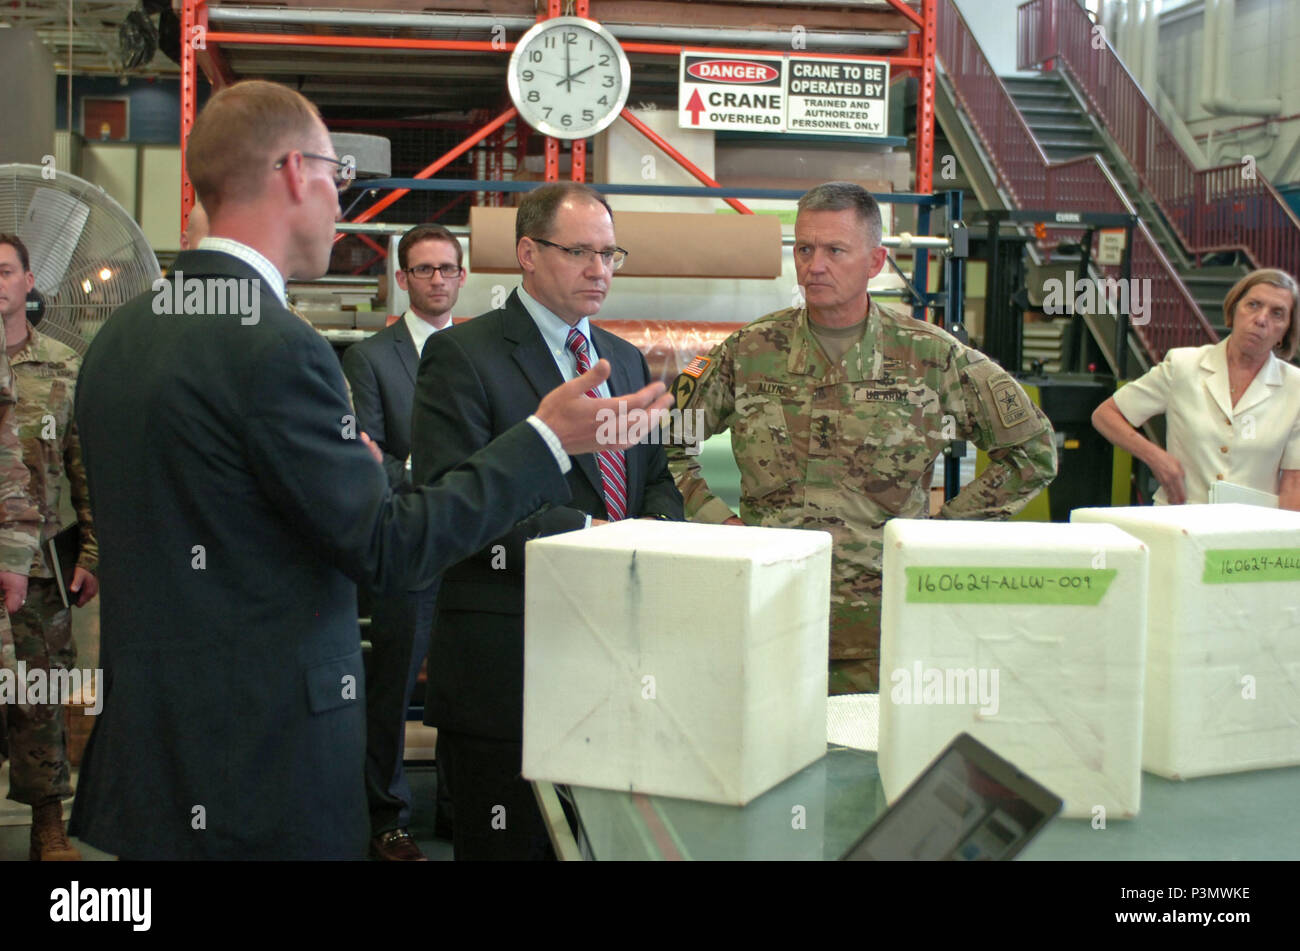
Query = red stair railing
x=1227 y=208
x=1030 y=180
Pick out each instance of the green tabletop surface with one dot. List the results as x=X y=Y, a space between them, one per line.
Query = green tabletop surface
x=824 y=808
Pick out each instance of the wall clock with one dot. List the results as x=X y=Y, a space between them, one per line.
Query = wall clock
x=568 y=77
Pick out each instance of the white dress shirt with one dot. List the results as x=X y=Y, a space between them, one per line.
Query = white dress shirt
x=555 y=331
x=420 y=329
x=1247 y=444
x=254 y=259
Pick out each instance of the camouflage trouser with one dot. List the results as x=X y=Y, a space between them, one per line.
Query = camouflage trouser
x=854 y=676
x=855 y=631
x=42 y=639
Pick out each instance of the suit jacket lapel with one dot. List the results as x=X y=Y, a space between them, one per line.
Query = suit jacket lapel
x=406 y=348
x=1263 y=386
x=535 y=361
x=620 y=376
x=1215 y=364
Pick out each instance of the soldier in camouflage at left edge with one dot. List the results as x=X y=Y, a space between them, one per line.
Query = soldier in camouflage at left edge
x=838 y=410
x=44 y=373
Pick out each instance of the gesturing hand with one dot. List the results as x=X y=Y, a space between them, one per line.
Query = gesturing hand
x=576 y=418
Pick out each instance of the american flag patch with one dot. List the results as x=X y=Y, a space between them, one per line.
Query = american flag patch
x=697 y=367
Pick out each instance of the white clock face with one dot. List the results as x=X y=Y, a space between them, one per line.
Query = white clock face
x=568 y=77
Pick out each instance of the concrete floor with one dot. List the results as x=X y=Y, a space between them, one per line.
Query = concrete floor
x=15 y=820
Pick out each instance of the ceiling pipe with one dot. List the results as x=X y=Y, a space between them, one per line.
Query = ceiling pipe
x=1216 y=58
x=1135 y=41
x=1290 y=64
x=1150 y=45
x=1132 y=35
x=1113 y=20
x=226 y=16
x=1119 y=20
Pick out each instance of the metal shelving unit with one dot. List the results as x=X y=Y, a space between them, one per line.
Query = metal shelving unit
x=217 y=31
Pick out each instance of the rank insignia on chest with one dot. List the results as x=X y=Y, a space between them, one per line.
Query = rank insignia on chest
x=822 y=432
x=697 y=367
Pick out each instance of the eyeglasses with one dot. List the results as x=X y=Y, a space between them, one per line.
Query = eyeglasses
x=610 y=259
x=424 y=272
x=344 y=172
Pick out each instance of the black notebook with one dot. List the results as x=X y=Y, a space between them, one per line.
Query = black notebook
x=61 y=552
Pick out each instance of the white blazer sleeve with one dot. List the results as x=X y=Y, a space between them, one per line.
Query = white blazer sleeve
x=1148 y=395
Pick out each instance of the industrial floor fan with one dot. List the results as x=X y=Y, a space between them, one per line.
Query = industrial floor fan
x=88 y=255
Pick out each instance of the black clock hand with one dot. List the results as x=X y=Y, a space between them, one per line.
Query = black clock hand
x=568 y=76
x=572 y=78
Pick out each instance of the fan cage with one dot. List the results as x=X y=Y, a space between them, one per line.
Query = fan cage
x=88 y=255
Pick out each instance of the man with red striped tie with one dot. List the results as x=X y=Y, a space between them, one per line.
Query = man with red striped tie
x=475 y=381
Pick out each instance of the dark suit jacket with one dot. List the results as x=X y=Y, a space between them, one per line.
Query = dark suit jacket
x=381 y=370
x=234 y=518
x=476 y=380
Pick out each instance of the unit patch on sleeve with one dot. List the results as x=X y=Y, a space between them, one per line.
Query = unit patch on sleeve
x=1010 y=403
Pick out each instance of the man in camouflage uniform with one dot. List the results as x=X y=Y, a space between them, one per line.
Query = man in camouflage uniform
x=837 y=411
x=20 y=522
x=45 y=372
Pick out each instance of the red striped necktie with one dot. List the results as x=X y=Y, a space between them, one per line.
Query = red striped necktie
x=613 y=468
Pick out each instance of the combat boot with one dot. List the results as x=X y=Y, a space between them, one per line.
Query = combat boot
x=49 y=841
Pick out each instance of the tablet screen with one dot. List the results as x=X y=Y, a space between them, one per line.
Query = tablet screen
x=968 y=805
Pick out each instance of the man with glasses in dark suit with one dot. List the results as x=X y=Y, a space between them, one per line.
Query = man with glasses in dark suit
x=475 y=381
x=381 y=370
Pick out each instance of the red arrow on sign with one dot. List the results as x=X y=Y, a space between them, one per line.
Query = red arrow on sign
x=695 y=105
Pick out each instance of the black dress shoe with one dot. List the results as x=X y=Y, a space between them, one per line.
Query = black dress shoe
x=395 y=846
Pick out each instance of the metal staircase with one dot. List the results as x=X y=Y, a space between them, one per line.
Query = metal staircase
x=1211 y=216
x=1060 y=120
x=1013 y=169
x=1056 y=118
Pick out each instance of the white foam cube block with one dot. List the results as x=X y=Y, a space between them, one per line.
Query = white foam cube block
x=676 y=659
x=1223 y=636
x=1028 y=636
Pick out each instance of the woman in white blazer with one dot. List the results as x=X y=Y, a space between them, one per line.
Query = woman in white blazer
x=1232 y=408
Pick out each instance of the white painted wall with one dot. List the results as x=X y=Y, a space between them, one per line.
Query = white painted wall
x=1263 y=48
x=994 y=24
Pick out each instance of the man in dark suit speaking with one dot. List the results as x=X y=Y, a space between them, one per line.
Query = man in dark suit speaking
x=475 y=381
x=237 y=507
x=381 y=370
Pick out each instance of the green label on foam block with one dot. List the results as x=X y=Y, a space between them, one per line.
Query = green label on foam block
x=1241 y=565
x=982 y=584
